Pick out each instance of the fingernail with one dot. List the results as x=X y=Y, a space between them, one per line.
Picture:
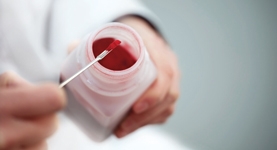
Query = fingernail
x=141 y=107
x=128 y=125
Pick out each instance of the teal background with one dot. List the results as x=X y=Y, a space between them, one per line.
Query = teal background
x=227 y=52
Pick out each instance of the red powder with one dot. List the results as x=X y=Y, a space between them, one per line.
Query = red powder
x=117 y=59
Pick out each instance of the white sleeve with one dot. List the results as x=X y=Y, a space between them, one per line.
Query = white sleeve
x=113 y=9
x=72 y=19
x=35 y=35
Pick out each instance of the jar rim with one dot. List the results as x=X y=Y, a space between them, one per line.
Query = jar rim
x=115 y=73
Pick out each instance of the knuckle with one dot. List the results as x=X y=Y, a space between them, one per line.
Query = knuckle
x=153 y=97
x=169 y=111
x=174 y=95
x=5 y=77
x=163 y=121
x=168 y=72
x=153 y=100
x=158 y=91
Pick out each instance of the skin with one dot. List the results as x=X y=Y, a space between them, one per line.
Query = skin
x=158 y=102
x=27 y=112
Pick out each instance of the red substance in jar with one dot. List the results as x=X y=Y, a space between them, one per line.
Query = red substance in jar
x=117 y=59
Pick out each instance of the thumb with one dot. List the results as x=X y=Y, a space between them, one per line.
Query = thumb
x=10 y=79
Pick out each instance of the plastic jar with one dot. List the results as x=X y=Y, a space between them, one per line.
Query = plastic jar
x=100 y=97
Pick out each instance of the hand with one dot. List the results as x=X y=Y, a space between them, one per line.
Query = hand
x=157 y=103
x=27 y=112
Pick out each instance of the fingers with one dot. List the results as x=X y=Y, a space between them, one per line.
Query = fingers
x=32 y=101
x=39 y=146
x=158 y=114
x=167 y=82
x=158 y=90
x=26 y=112
x=25 y=134
x=162 y=118
x=11 y=79
x=160 y=100
x=157 y=103
x=174 y=91
x=154 y=95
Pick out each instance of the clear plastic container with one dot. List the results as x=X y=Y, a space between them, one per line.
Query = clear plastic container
x=99 y=98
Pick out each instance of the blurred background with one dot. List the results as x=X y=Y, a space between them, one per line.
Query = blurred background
x=227 y=53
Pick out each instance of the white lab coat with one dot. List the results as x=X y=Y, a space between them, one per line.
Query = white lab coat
x=34 y=35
